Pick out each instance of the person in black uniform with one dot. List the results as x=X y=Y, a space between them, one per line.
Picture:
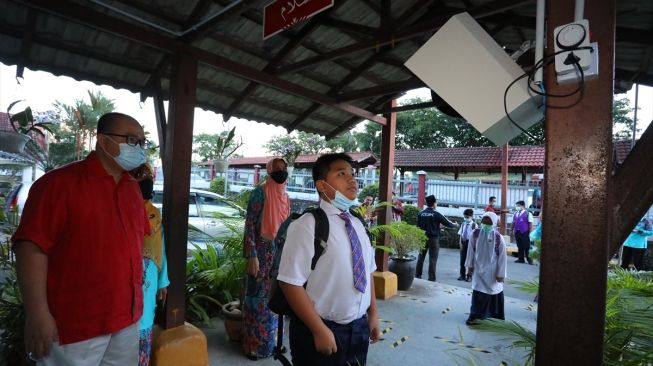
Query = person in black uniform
x=429 y=220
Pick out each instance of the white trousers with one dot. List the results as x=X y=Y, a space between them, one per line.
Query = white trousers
x=119 y=349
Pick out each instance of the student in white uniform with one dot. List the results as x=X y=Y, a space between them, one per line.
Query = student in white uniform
x=486 y=261
x=335 y=316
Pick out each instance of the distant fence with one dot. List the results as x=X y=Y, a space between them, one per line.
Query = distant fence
x=448 y=192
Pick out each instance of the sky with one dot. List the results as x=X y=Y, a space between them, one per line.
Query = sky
x=41 y=89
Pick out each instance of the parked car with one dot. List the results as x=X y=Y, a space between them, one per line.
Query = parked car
x=207 y=211
x=15 y=199
x=199 y=240
x=5 y=187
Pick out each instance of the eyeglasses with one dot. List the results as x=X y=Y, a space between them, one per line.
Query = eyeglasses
x=132 y=140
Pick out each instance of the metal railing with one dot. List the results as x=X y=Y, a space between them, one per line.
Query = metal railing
x=448 y=192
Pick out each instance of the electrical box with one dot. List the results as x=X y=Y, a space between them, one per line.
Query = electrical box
x=470 y=71
x=592 y=71
x=571 y=43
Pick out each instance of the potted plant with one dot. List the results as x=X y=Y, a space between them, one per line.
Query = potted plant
x=405 y=239
x=225 y=146
x=23 y=124
x=214 y=280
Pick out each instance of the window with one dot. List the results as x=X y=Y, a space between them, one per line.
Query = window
x=157 y=201
x=213 y=206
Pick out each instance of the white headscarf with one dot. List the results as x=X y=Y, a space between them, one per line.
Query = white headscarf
x=492 y=216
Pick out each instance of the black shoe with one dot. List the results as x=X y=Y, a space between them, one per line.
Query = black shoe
x=519 y=261
x=252 y=357
x=461 y=278
x=469 y=278
x=530 y=261
x=432 y=279
x=470 y=322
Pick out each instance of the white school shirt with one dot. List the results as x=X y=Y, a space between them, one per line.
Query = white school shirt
x=331 y=284
x=482 y=256
x=466 y=229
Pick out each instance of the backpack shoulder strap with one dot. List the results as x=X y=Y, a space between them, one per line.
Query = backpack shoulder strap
x=497 y=241
x=321 y=233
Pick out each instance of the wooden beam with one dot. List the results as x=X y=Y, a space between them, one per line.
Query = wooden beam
x=372 y=106
x=336 y=88
x=400 y=86
x=385 y=182
x=292 y=44
x=573 y=272
x=160 y=115
x=176 y=169
x=203 y=29
x=631 y=191
x=349 y=26
x=125 y=29
x=432 y=25
x=145 y=8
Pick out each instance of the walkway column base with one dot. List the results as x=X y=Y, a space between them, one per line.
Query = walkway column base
x=385 y=284
x=182 y=345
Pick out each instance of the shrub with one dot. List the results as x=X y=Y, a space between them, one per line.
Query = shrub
x=406 y=239
x=410 y=214
x=217 y=186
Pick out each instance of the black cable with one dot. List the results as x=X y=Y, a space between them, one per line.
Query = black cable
x=530 y=74
x=505 y=107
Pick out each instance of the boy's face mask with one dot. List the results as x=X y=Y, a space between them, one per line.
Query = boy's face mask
x=340 y=201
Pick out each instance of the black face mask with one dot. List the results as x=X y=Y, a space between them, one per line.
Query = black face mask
x=147 y=188
x=279 y=176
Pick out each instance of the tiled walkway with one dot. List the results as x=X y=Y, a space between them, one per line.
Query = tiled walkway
x=424 y=326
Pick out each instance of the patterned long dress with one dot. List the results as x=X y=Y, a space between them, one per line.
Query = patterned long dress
x=154 y=279
x=259 y=323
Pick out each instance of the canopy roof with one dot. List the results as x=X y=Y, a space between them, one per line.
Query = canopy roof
x=323 y=75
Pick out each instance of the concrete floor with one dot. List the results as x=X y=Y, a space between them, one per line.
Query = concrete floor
x=430 y=317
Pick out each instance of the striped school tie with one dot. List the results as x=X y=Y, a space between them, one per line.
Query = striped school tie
x=356 y=254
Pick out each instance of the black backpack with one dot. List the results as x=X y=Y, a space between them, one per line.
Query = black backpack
x=277 y=301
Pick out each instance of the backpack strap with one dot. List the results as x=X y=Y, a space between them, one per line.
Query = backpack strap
x=475 y=234
x=321 y=233
x=497 y=240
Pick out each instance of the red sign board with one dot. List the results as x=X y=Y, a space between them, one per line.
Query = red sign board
x=280 y=15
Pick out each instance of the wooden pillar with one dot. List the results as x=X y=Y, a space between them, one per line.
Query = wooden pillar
x=573 y=272
x=179 y=147
x=160 y=114
x=421 y=188
x=385 y=180
x=631 y=191
x=504 y=188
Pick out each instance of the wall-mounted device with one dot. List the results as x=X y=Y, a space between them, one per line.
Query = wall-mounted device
x=470 y=71
x=572 y=46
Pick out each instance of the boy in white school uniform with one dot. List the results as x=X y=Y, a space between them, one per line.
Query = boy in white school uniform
x=335 y=316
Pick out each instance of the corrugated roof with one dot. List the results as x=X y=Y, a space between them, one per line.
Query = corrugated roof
x=469 y=157
x=621 y=150
x=348 y=54
x=361 y=159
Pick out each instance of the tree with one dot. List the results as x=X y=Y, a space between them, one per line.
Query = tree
x=290 y=147
x=430 y=129
x=216 y=146
x=345 y=142
x=622 y=124
x=370 y=138
x=82 y=117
